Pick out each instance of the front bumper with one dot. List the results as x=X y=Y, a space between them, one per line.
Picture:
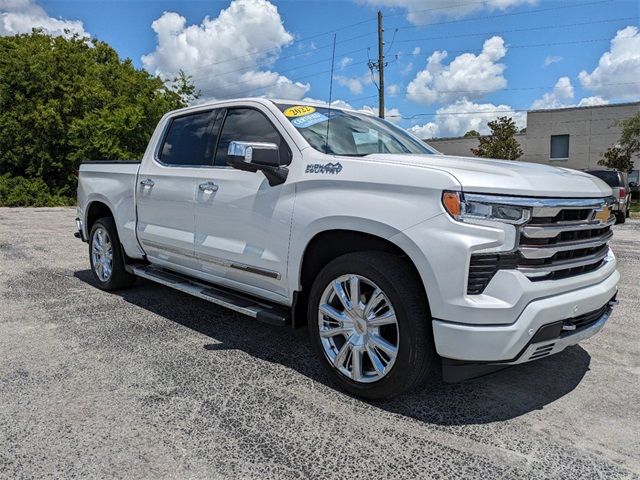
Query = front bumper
x=506 y=343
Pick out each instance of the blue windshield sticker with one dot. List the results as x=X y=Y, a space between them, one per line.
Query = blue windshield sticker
x=308 y=120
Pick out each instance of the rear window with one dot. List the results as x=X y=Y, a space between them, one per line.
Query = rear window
x=610 y=178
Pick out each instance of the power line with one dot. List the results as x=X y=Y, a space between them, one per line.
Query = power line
x=511 y=14
x=530 y=45
x=253 y=66
x=482 y=112
x=543 y=27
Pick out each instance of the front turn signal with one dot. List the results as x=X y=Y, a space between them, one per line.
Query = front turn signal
x=451 y=202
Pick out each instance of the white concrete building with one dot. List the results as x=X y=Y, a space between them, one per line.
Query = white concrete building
x=574 y=137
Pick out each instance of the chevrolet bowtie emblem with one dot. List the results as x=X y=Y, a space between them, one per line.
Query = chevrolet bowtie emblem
x=602 y=215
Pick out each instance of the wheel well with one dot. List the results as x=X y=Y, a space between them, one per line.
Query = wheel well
x=331 y=244
x=97 y=210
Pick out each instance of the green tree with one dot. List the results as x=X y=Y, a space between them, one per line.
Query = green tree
x=620 y=156
x=501 y=143
x=64 y=100
x=472 y=133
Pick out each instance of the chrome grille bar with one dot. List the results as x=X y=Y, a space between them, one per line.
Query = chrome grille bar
x=548 y=251
x=544 y=270
x=553 y=230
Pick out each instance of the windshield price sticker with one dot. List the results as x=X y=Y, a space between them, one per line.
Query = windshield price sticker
x=308 y=120
x=299 y=111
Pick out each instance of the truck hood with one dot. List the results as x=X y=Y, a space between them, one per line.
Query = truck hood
x=506 y=177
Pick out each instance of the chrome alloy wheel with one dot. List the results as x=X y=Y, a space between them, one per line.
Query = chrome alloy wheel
x=102 y=254
x=358 y=328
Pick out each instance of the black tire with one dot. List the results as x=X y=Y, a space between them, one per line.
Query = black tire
x=119 y=278
x=620 y=218
x=627 y=215
x=416 y=352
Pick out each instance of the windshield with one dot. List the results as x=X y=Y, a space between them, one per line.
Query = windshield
x=350 y=133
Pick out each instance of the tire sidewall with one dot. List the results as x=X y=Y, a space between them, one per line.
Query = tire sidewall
x=409 y=328
x=117 y=263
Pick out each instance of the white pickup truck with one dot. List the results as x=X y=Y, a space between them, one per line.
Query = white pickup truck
x=392 y=254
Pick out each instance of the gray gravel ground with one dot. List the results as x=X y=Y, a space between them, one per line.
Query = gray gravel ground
x=151 y=383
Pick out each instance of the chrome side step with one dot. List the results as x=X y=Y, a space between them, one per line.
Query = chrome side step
x=262 y=311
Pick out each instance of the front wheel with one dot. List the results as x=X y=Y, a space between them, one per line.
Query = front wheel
x=369 y=323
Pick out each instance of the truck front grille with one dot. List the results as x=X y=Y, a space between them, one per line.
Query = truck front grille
x=561 y=239
x=560 y=242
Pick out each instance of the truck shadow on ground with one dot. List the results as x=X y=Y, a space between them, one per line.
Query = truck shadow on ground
x=500 y=396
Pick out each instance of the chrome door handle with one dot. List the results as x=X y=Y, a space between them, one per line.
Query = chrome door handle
x=147 y=183
x=208 y=187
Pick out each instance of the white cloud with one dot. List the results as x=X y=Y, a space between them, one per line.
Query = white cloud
x=468 y=75
x=562 y=95
x=354 y=84
x=562 y=91
x=592 y=101
x=227 y=56
x=550 y=59
x=618 y=72
x=406 y=70
x=416 y=51
x=421 y=12
x=464 y=115
x=345 y=62
x=21 y=16
x=393 y=89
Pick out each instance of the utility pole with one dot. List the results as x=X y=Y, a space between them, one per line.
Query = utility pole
x=380 y=66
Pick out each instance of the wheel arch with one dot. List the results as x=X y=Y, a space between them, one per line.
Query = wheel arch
x=96 y=209
x=329 y=244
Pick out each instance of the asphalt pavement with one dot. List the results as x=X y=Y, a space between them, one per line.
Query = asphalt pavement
x=152 y=383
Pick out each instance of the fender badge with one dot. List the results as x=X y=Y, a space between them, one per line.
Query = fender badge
x=330 y=168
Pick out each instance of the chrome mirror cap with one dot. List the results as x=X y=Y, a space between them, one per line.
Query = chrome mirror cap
x=245 y=149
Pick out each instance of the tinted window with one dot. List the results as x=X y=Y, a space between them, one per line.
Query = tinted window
x=187 y=140
x=559 y=146
x=248 y=125
x=611 y=178
x=633 y=176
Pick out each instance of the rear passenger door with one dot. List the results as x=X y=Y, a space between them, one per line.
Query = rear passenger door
x=166 y=189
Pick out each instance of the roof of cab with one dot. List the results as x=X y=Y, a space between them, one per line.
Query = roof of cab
x=264 y=101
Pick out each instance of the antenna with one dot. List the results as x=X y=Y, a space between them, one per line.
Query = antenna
x=333 y=60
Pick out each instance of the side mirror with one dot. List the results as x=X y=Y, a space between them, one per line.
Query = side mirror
x=254 y=156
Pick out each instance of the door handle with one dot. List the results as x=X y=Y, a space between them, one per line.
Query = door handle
x=208 y=187
x=147 y=183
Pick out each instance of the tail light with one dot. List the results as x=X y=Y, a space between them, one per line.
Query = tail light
x=623 y=192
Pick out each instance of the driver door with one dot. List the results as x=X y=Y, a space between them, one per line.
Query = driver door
x=243 y=223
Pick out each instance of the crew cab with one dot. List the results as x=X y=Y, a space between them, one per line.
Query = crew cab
x=392 y=255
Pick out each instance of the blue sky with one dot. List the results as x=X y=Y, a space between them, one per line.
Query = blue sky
x=539 y=43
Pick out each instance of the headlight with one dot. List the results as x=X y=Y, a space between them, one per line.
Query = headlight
x=472 y=206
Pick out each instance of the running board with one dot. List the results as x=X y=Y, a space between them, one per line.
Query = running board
x=262 y=311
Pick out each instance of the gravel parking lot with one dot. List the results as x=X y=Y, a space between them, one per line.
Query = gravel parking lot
x=152 y=383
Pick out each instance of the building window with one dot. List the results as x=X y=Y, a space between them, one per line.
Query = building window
x=559 y=147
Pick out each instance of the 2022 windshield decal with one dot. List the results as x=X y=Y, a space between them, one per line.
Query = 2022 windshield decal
x=330 y=168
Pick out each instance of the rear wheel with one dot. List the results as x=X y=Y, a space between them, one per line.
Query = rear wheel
x=369 y=323
x=106 y=256
x=621 y=217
